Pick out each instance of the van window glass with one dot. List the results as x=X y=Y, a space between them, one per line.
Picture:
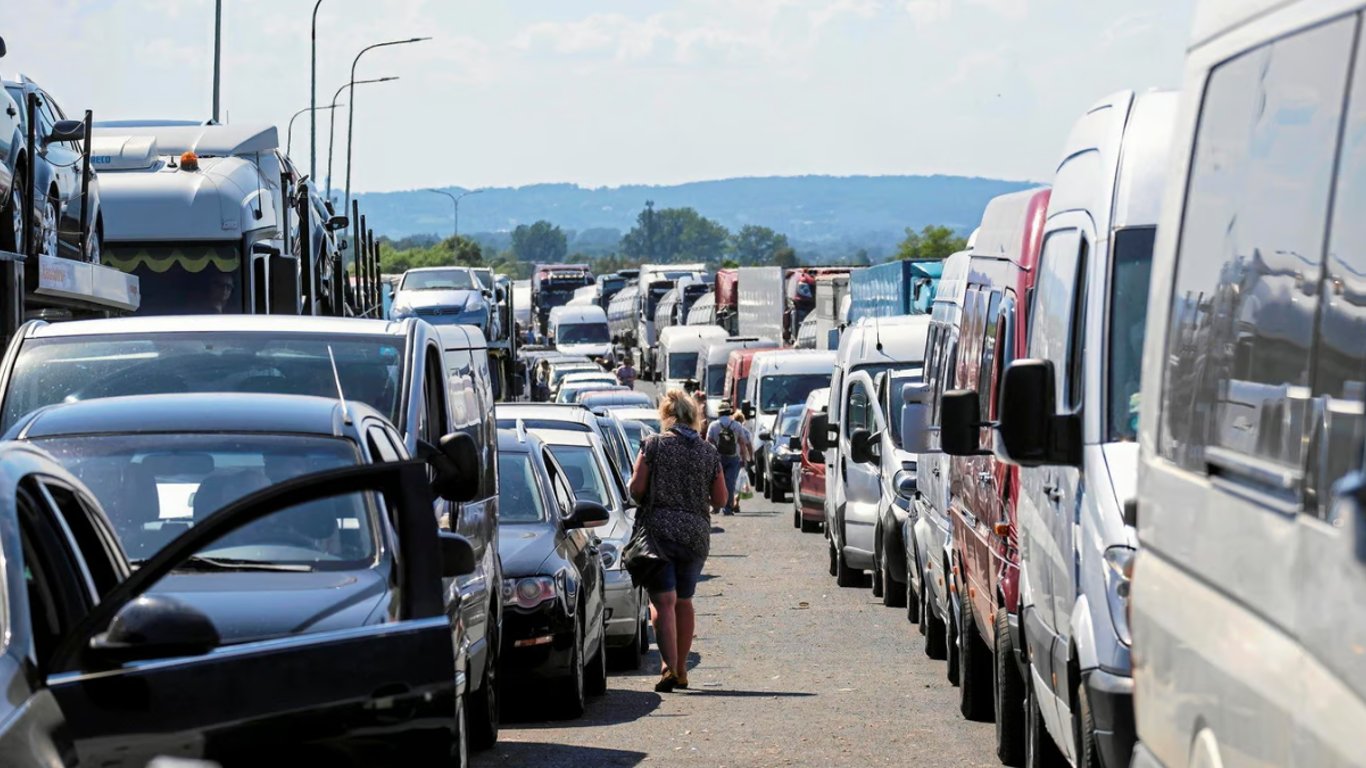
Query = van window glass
x=856 y=414
x=1248 y=266
x=1340 y=370
x=1132 y=266
x=467 y=380
x=1055 y=296
x=987 y=360
x=582 y=333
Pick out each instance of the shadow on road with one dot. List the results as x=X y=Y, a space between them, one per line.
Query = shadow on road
x=612 y=708
x=557 y=755
x=748 y=694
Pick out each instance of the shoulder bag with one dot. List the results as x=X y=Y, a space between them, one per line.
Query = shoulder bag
x=643 y=558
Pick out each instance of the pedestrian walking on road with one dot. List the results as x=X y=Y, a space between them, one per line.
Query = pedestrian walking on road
x=733 y=444
x=677 y=480
x=626 y=374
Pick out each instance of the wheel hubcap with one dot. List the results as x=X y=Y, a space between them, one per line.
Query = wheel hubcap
x=50 y=231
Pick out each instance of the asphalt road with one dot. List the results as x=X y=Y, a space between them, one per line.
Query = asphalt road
x=787 y=670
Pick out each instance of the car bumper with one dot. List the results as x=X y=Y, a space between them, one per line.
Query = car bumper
x=623 y=606
x=781 y=472
x=813 y=507
x=537 y=644
x=1112 y=708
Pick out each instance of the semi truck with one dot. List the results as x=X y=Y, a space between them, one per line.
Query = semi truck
x=653 y=282
x=761 y=303
x=553 y=285
x=896 y=288
x=801 y=295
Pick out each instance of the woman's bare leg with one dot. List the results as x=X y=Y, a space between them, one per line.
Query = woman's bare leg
x=687 y=623
x=666 y=626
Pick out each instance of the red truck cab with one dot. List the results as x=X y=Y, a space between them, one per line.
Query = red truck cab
x=737 y=375
x=808 y=483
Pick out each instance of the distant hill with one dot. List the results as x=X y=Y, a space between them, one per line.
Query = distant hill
x=825 y=215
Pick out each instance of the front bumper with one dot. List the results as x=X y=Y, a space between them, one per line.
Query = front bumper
x=1112 y=709
x=780 y=470
x=623 y=607
x=537 y=644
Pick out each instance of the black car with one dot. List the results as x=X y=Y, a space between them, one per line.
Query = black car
x=554 y=620
x=105 y=666
x=784 y=448
x=162 y=465
x=59 y=162
x=13 y=149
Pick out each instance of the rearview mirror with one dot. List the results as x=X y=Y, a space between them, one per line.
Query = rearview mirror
x=1032 y=433
x=915 y=418
x=820 y=431
x=155 y=627
x=765 y=435
x=66 y=130
x=457 y=555
x=860 y=447
x=960 y=423
x=337 y=222
x=456 y=465
x=690 y=385
x=264 y=249
x=587 y=514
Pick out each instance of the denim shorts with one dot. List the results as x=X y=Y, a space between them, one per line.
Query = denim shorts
x=681 y=574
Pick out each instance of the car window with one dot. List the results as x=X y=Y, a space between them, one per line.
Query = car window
x=1056 y=308
x=856 y=411
x=471 y=399
x=92 y=537
x=564 y=495
x=1248 y=265
x=986 y=362
x=519 y=492
x=1131 y=268
x=56 y=597
x=582 y=472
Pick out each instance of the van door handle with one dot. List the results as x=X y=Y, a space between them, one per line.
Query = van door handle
x=11 y=111
x=985 y=478
x=1053 y=492
x=935 y=471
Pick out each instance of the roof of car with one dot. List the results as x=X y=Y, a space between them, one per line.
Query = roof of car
x=516 y=441
x=556 y=411
x=331 y=326
x=461 y=337
x=563 y=436
x=199 y=412
x=622 y=396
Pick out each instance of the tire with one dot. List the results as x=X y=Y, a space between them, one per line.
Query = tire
x=571 y=697
x=811 y=526
x=846 y=576
x=482 y=710
x=628 y=657
x=796 y=517
x=645 y=634
x=596 y=682
x=460 y=746
x=834 y=566
x=912 y=601
x=931 y=625
x=1088 y=753
x=951 y=644
x=893 y=594
x=12 y=221
x=1040 y=751
x=975 y=689
x=879 y=587
x=49 y=241
x=1008 y=698
x=94 y=248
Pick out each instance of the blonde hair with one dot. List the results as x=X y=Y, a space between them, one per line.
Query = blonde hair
x=678 y=407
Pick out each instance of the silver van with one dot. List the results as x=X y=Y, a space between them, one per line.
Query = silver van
x=1248 y=608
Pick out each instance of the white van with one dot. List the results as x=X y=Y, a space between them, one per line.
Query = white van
x=679 y=348
x=1066 y=415
x=778 y=378
x=853 y=491
x=580 y=330
x=1248 y=608
x=710 y=374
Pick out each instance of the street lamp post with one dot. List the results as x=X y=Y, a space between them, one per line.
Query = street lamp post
x=289 y=141
x=217 y=53
x=455 y=202
x=332 y=122
x=313 y=97
x=351 y=111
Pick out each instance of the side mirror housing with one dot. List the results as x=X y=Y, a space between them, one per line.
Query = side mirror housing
x=456 y=465
x=905 y=484
x=765 y=435
x=66 y=130
x=337 y=222
x=860 y=447
x=587 y=514
x=1031 y=433
x=960 y=422
x=154 y=627
x=820 y=431
x=747 y=408
x=690 y=385
x=915 y=418
x=264 y=249
x=794 y=443
x=457 y=555
x=2 y=47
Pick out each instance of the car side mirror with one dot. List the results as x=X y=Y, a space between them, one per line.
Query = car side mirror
x=820 y=431
x=66 y=130
x=747 y=408
x=337 y=222
x=457 y=555
x=155 y=627
x=499 y=294
x=794 y=443
x=915 y=418
x=2 y=47
x=1031 y=432
x=455 y=463
x=587 y=514
x=960 y=423
x=690 y=385
x=264 y=249
x=765 y=435
x=860 y=447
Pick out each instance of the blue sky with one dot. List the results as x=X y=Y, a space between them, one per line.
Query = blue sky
x=608 y=93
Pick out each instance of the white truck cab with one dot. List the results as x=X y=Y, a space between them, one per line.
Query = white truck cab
x=581 y=329
x=679 y=348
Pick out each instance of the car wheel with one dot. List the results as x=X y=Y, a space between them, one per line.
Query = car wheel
x=893 y=595
x=912 y=598
x=460 y=749
x=811 y=526
x=877 y=583
x=628 y=657
x=47 y=234
x=1086 y=731
x=796 y=518
x=1040 y=751
x=12 y=232
x=596 y=683
x=484 y=704
x=645 y=634
x=931 y=626
x=572 y=698
x=834 y=565
x=951 y=642
x=94 y=247
x=1008 y=698
x=846 y=576
x=975 y=668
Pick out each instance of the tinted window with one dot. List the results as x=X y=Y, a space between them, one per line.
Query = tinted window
x=1055 y=305
x=716 y=379
x=1131 y=267
x=468 y=385
x=582 y=472
x=1248 y=269
x=986 y=368
x=582 y=333
x=519 y=493
x=682 y=365
x=573 y=426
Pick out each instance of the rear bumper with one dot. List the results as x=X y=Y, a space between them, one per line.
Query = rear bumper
x=1112 y=708
x=623 y=604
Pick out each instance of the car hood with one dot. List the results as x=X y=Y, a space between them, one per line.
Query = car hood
x=246 y=605
x=524 y=547
x=468 y=298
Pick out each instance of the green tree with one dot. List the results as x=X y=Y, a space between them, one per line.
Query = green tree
x=755 y=245
x=540 y=243
x=395 y=258
x=785 y=257
x=931 y=242
x=673 y=235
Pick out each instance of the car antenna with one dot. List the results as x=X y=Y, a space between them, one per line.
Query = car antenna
x=877 y=331
x=336 y=377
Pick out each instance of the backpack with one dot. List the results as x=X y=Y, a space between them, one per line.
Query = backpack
x=726 y=444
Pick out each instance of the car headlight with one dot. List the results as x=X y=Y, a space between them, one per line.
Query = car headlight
x=1119 y=564
x=610 y=552
x=530 y=591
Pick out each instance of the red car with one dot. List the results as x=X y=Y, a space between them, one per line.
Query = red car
x=808 y=472
x=982 y=505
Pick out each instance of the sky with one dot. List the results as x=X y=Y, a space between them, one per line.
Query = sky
x=623 y=91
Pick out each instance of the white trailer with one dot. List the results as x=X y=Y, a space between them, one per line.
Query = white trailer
x=761 y=298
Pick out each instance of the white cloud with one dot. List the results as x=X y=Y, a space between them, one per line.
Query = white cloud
x=927 y=12
x=833 y=11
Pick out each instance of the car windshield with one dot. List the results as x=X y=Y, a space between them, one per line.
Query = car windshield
x=583 y=473
x=895 y=405
x=582 y=333
x=519 y=497
x=1128 y=314
x=453 y=279
x=791 y=420
x=155 y=486
x=716 y=380
x=203 y=278
x=72 y=368
x=785 y=389
x=682 y=365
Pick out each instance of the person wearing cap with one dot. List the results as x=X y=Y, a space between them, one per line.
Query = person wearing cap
x=733 y=443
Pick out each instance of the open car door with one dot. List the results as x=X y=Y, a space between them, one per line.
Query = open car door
x=144 y=675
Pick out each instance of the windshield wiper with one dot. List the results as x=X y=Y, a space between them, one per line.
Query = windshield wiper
x=202 y=564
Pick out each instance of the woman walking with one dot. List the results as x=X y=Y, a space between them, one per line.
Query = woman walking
x=677 y=480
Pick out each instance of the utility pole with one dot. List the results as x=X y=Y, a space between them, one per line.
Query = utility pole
x=217 y=54
x=650 y=231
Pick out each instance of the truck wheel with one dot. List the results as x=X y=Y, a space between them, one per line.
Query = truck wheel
x=975 y=668
x=1009 y=698
x=12 y=229
x=1086 y=730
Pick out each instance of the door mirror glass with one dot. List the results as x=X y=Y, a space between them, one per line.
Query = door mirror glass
x=155 y=627
x=915 y=418
x=960 y=419
x=587 y=514
x=820 y=432
x=794 y=443
x=66 y=130
x=456 y=466
x=1031 y=432
x=765 y=435
x=337 y=223
x=457 y=555
x=860 y=447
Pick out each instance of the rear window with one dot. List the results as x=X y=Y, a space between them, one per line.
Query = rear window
x=571 y=426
